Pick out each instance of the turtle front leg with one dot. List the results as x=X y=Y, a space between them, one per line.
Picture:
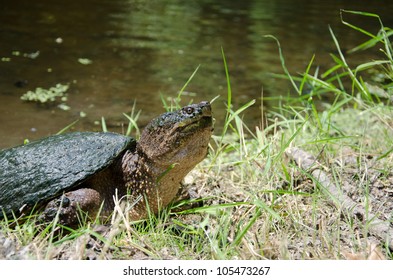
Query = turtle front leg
x=69 y=205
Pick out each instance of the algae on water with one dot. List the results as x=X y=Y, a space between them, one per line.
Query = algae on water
x=44 y=95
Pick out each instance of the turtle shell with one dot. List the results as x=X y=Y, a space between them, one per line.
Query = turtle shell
x=36 y=172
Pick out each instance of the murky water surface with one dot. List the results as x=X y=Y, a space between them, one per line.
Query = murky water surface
x=116 y=53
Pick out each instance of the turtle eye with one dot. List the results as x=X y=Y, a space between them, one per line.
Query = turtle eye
x=188 y=110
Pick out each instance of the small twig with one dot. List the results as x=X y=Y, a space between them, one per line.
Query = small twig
x=342 y=202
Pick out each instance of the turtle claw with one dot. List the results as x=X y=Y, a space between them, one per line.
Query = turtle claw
x=68 y=207
x=59 y=207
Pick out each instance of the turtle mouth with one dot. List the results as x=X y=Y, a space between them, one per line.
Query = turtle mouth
x=202 y=123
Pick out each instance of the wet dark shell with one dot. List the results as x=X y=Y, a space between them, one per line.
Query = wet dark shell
x=34 y=173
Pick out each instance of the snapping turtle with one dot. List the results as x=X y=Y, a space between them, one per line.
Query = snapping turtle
x=85 y=170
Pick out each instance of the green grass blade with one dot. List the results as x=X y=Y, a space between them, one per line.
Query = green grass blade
x=178 y=98
x=229 y=90
x=67 y=127
x=103 y=124
x=282 y=59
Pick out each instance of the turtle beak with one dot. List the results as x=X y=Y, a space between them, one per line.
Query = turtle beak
x=207 y=114
x=206 y=109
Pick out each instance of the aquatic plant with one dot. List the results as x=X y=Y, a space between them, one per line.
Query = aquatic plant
x=46 y=95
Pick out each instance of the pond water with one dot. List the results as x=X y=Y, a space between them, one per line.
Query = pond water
x=114 y=53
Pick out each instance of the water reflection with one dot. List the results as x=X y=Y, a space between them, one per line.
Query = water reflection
x=141 y=49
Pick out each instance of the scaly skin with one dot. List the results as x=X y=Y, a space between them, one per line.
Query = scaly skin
x=169 y=147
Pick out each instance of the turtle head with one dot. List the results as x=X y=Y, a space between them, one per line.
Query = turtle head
x=179 y=137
